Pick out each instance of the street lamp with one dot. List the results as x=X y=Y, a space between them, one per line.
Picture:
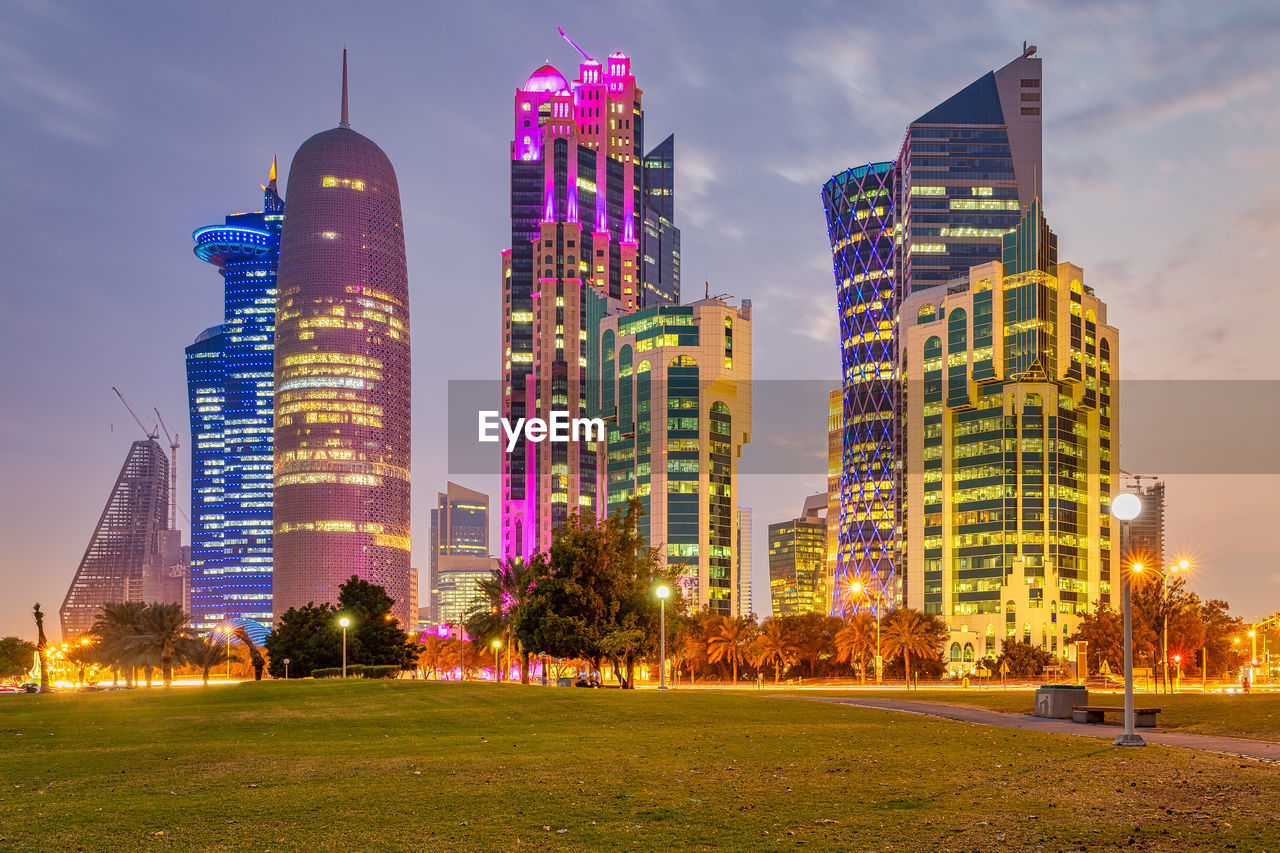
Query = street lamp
x=1126 y=507
x=858 y=588
x=344 y=622
x=497 y=673
x=662 y=592
x=286 y=669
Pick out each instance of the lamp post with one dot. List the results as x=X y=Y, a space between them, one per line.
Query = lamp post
x=344 y=622
x=1126 y=507
x=858 y=588
x=497 y=673
x=286 y=669
x=662 y=592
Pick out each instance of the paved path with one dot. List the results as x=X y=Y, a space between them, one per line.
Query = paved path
x=1256 y=749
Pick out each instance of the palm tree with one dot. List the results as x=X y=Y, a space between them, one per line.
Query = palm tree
x=432 y=655
x=114 y=627
x=507 y=587
x=911 y=633
x=856 y=640
x=690 y=650
x=206 y=653
x=41 y=643
x=727 y=643
x=255 y=656
x=774 y=645
x=162 y=629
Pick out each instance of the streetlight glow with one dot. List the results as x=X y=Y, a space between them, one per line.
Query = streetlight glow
x=344 y=621
x=663 y=591
x=1126 y=506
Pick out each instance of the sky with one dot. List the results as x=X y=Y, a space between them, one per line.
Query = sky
x=127 y=126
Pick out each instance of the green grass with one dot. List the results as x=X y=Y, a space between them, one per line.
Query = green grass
x=1255 y=715
x=374 y=766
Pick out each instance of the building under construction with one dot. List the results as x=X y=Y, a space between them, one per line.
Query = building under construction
x=134 y=554
x=1143 y=538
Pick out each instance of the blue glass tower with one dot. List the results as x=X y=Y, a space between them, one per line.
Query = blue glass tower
x=230 y=393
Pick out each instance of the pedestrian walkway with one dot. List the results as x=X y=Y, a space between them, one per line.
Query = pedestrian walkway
x=1260 y=750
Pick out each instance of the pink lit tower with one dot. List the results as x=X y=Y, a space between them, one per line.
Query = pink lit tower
x=584 y=198
x=342 y=376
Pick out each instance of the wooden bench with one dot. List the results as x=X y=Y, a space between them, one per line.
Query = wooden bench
x=1143 y=718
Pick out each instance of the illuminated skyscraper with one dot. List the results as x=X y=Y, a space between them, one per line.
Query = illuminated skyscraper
x=966 y=172
x=742 y=556
x=459 y=553
x=229 y=389
x=797 y=560
x=579 y=203
x=342 y=404
x=132 y=555
x=1010 y=420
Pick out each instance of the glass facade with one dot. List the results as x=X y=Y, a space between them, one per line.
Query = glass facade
x=459 y=537
x=797 y=557
x=230 y=397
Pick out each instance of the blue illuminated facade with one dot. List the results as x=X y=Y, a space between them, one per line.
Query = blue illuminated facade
x=229 y=388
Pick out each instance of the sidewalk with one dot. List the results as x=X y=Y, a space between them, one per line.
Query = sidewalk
x=1256 y=749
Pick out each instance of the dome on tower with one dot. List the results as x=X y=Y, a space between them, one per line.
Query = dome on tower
x=546 y=79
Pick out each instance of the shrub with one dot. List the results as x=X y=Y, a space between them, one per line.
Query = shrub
x=383 y=671
x=354 y=670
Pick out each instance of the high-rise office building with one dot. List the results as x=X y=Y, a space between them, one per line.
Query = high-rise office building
x=582 y=191
x=133 y=554
x=835 y=470
x=1010 y=414
x=742 y=556
x=797 y=560
x=966 y=172
x=675 y=394
x=342 y=405
x=1142 y=539
x=459 y=552
x=229 y=391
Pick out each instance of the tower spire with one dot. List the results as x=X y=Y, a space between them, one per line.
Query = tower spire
x=271 y=176
x=345 y=120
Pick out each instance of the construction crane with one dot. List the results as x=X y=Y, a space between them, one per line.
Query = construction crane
x=154 y=432
x=173 y=472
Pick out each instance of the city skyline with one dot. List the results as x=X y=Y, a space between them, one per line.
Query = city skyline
x=129 y=330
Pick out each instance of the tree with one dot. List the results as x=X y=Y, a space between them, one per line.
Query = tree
x=161 y=634
x=431 y=654
x=727 y=644
x=114 y=626
x=1220 y=630
x=856 y=641
x=15 y=656
x=309 y=637
x=375 y=637
x=205 y=653
x=1103 y=630
x=812 y=634
x=908 y=633
x=774 y=644
x=1025 y=659
x=255 y=656
x=690 y=645
x=41 y=645
x=507 y=589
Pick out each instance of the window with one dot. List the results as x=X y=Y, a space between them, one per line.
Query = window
x=1031 y=111
x=1030 y=84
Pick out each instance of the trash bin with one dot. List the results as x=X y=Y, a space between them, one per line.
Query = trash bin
x=564 y=682
x=1056 y=700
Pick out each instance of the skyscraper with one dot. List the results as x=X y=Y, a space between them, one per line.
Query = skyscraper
x=742 y=555
x=132 y=555
x=1010 y=414
x=342 y=405
x=675 y=395
x=1144 y=536
x=966 y=172
x=797 y=560
x=459 y=553
x=579 y=203
x=229 y=391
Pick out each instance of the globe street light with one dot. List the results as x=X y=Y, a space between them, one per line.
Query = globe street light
x=497 y=674
x=662 y=592
x=286 y=669
x=344 y=622
x=1126 y=507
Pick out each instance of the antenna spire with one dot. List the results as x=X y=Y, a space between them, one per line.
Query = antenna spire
x=573 y=43
x=271 y=176
x=345 y=120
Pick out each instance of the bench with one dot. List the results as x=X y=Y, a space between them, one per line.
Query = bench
x=1143 y=718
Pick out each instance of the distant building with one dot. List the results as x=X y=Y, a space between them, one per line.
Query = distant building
x=132 y=554
x=1011 y=440
x=742 y=554
x=676 y=398
x=798 y=559
x=459 y=553
x=230 y=397
x=835 y=469
x=1143 y=538
x=342 y=376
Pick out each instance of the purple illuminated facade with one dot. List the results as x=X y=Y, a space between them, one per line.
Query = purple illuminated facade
x=342 y=403
x=578 y=207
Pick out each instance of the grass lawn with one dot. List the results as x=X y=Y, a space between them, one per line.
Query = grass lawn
x=1255 y=715
x=371 y=766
